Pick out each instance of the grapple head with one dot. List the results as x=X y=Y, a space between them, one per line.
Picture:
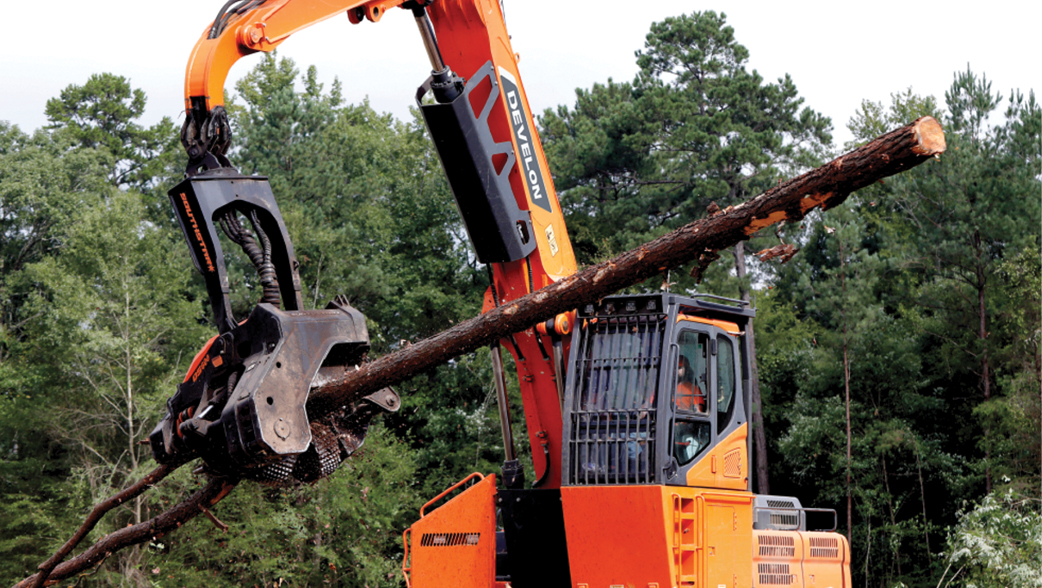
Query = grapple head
x=243 y=405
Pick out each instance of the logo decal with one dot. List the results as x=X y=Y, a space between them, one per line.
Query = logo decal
x=198 y=233
x=202 y=366
x=523 y=136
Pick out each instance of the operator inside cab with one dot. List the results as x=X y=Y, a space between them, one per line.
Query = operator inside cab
x=691 y=433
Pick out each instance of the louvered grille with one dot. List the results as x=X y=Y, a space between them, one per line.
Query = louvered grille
x=613 y=431
x=733 y=464
x=786 y=520
x=776 y=574
x=781 y=504
x=449 y=539
x=823 y=547
x=776 y=546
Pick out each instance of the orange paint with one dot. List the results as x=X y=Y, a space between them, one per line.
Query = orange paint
x=665 y=535
x=616 y=535
x=726 y=326
x=455 y=543
x=199 y=358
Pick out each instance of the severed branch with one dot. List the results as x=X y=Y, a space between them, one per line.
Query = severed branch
x=208 y=495
x=784 y=252
x=826 y=186
x=151 y=479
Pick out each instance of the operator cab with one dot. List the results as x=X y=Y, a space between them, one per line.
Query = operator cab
x=657 y=393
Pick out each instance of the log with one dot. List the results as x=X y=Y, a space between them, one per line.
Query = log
x=826 y=186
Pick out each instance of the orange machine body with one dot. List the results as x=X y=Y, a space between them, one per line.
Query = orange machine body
x=656 y=493
x=634 y=536
x=455 y=545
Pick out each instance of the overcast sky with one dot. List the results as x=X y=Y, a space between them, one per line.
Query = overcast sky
x=838 y=53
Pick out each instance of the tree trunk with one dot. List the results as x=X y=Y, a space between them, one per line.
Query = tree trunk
x=763 y=483
x=846 y=387
x=826 y=186
x=985 y=366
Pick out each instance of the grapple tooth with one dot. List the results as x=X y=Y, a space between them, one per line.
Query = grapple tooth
x=321 y=458
x=276 y=473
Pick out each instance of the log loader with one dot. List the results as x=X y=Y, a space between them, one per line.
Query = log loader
x=637 y=406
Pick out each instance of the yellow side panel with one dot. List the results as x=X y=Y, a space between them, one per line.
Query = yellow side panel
x=725 y=465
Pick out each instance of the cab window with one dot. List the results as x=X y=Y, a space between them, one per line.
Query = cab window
x=725 y=381
x=692 y=429
x=692 y=373
x=689 y=439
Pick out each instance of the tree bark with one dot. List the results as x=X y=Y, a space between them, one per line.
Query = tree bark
x=826 y=186
x=982 y=334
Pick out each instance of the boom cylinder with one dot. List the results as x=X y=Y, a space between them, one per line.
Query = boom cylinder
x=501 y=399
x=430 y=41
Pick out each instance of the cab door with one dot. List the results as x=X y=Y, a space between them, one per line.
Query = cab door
x=707 y=404
x=693 y=430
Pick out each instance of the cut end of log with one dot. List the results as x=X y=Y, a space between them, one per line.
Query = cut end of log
x=929 y=137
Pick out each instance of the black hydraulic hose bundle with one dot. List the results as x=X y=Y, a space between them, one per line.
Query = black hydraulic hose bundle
x=230 y=8
x=266 y=270
x=260 y=255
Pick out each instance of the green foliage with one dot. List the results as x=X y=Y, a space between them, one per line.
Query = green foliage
x=1014 y=414
x=342 y=531
x=42 y=186
x=102 y=346
x=997 y=544
x=872 y=119
x=930 y=282
x=695 y=126
x=100 y=115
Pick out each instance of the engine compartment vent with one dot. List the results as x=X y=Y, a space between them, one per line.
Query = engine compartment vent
x=776 y=546
x=450 y=539
x=776 y=574
x=824 y=547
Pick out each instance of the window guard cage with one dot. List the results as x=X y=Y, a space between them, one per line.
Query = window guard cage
x=613 y=420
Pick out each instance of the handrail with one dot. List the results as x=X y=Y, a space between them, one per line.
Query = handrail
x=703 y=555
x=801 y=513
x=406 y=564
x=450 y=489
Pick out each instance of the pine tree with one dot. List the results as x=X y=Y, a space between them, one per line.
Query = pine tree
x=101 y=115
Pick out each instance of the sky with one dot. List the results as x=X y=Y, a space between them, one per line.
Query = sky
x=838 y=53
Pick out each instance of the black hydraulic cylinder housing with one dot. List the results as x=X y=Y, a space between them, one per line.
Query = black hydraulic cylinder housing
x=499 y=230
